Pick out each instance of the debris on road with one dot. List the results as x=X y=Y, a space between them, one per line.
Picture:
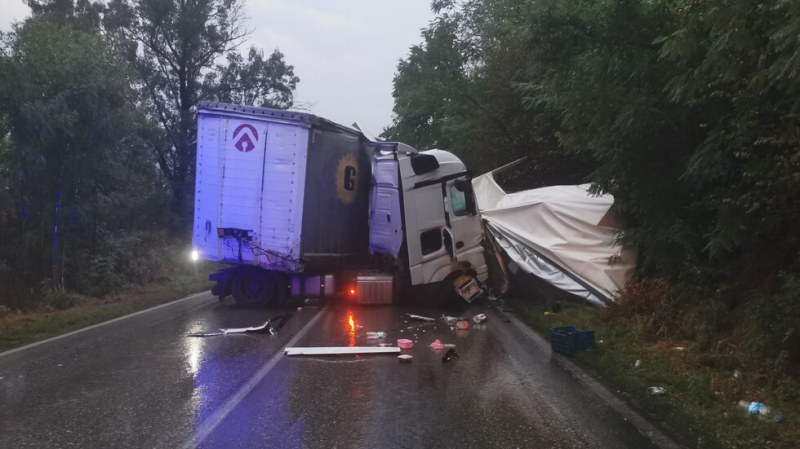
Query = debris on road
x=437 y=345
x=341 y=350
x=449 y=320
x=271 y=327
x=479 y=318
x=449 y=355
x=405 y=343
x=419 y=317
x=462 y=324
x=375 y=335
x=656 y=391
x=405 y=357
x=637 y=363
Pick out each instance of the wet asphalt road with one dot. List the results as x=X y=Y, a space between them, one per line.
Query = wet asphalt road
x=142 y=382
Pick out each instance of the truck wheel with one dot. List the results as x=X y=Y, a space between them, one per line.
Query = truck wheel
x=253 y=287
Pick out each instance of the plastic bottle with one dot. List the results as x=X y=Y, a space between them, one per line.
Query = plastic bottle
x=761 y=410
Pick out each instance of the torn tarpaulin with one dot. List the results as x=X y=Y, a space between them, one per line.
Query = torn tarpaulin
x=271 y=327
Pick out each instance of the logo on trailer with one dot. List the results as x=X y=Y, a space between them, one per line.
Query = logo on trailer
x=347 y=178
x=245 y=137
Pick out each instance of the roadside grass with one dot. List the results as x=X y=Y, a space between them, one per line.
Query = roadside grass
x=19 y=328
x=700 y=405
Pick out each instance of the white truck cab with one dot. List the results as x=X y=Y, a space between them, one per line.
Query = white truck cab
x=423 y=210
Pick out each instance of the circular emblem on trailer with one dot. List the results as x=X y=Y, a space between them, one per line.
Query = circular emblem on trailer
x=245 y=138
x=347 y=178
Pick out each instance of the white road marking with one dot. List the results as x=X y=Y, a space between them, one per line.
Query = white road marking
x=206 y=427
x=104 y=323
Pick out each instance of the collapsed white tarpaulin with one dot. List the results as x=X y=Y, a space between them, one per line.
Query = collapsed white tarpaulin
x=563 y=234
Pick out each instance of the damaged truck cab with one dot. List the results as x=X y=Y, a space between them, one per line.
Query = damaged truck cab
x=300 y=206
x=438 y=221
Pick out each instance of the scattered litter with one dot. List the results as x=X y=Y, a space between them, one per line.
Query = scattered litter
x=737 y=374
x=449 y=355
x=763 y=411
x=656 y=391
x=462 y=324
x=449 y=345
x=341 y=350
x=479 y=318
x=405 y=357
x=450 y=320
x=679 y=348
x=419 y=317
x=548 y=313
x=376 y=334
x=437 y=345
x=405 y=343
x=299 y=309
x=271 y=327
x=637 y=364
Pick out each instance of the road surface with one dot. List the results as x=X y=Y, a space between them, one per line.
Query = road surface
x=142 y=382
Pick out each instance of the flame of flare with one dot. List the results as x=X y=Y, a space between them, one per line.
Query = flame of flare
x=352 y=323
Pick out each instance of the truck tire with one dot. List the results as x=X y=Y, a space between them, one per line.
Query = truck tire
x=254 y=287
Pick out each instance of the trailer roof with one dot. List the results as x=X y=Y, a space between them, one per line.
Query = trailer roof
x=279 y=114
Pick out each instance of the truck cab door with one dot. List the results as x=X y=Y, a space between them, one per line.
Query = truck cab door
x=463 y=222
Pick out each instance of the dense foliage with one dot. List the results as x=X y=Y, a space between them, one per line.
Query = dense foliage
x=97 y=104
x=685 y=111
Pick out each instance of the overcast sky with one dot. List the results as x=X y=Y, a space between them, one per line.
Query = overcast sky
x=344 y=51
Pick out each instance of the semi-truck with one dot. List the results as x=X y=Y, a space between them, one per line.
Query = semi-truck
x=299 y=206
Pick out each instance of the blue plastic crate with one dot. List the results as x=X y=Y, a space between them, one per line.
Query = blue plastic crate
x=569 y=340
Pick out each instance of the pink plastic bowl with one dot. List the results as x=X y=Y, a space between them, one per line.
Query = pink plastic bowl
x=405 y=343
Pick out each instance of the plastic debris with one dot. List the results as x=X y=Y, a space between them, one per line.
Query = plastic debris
x=737 y=374
x=449 y=320
x=271 y=327
x=405 y=357
x=656 y=391
x=405 y=343
x=462 y=324
x=479 y=318
x=679 y=348
x=450 y=355
x=761 y=410
x=341 y=350
x=637 y=364
x=437 y=345
x=419 y=317
x=376 y=335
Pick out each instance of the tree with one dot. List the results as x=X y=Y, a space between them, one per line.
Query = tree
x=257 y=81
x=174 y=45
x=457 y=91
x=76 y=175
